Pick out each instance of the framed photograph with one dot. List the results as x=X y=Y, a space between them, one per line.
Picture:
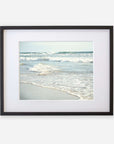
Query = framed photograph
x=56 y=70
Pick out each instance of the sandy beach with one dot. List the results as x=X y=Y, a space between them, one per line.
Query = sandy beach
x=32 y=92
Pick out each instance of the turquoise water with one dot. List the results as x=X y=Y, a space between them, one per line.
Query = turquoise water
x=71 y=72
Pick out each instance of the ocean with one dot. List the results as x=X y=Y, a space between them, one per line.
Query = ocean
x=70 y=72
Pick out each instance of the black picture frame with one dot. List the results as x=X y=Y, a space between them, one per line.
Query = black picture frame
x=2 y=28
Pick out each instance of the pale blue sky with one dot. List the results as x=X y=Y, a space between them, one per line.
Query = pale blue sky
x=54 y=46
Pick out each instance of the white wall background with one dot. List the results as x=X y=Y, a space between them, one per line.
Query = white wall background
x=57 y=130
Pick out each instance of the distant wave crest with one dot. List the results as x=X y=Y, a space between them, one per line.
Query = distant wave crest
x=71 y=59
x=59 y=59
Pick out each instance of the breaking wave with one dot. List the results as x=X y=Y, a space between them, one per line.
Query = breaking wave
x=59 y=59
x=43 y=69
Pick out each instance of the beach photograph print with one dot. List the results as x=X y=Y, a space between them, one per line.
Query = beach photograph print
x=56 y=70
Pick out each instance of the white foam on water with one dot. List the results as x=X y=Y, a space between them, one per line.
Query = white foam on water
x=76 y=85
x=60 y=59
x=28 y=58
x=71 y=59
x=43 y=69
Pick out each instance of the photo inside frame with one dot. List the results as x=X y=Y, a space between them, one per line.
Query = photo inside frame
x=56 y=70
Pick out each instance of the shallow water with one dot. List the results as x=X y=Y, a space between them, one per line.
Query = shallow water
x=71 y=72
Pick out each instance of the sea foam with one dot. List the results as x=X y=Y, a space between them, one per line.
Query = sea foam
x=59 y=59
x=43 y=69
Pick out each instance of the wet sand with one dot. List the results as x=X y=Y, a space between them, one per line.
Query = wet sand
x=32 y=92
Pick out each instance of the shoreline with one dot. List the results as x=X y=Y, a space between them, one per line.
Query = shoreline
x=32 y=92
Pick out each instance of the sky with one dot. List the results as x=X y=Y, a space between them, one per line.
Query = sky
x=27 y=46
